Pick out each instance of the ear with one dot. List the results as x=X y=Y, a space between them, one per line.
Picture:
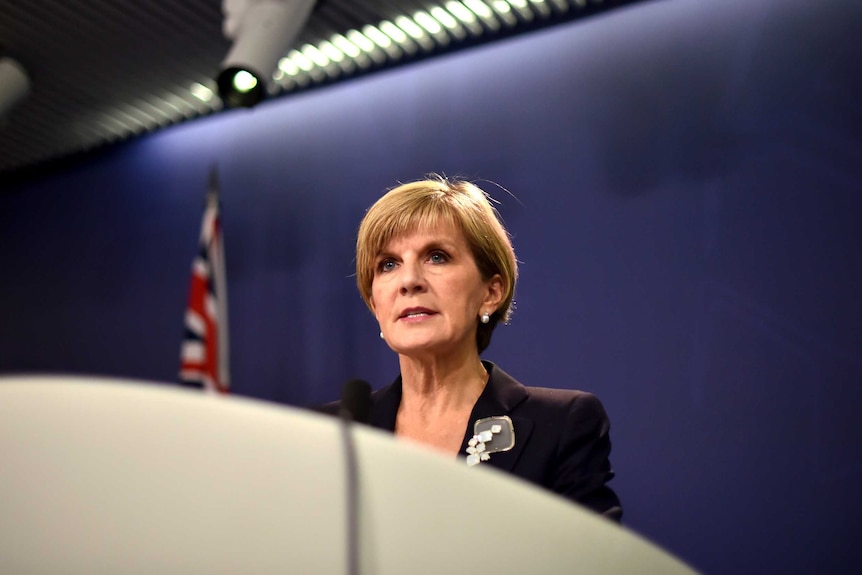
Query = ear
x=496 y=290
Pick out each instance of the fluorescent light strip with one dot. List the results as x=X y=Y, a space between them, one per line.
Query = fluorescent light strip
x=398 y=36
x=315 y=55
x=541 y=7
x=426 y=29
x=501 y=6
x=383 y=41
x=345 y=63
x=484 y=13
x=361 y=41
x=444 y=18
x=323 y=64
x=465 y=17
x=201 y=92
x=375 y=35
x=393 y=31
x=431 y=28
x=367 y=46
x=355 y=56
x=331 y=51
x=504 y=12
x=449 y=22
x=522 y=7
x=350 y=49
x=479 y=8
x=428 y=23
x=418 y=34
x=412 y=28
x=302 y=61
x=287 y=66
x=461 y=12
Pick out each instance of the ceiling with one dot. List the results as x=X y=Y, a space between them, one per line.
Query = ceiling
x=103 y=71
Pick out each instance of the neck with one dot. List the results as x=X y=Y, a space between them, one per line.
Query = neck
x=439 y=385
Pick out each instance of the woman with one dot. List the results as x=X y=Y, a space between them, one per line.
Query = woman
x=436 y=267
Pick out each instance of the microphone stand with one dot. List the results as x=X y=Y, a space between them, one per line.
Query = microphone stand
x=355 y=406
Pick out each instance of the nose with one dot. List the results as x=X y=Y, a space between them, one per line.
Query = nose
x=412 y=279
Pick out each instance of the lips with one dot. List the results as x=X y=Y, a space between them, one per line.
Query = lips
x=415 y=313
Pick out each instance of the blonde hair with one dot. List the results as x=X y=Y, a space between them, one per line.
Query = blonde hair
x=431 y=203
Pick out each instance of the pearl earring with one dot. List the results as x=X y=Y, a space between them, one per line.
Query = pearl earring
x=381 y=335
x=485 y=318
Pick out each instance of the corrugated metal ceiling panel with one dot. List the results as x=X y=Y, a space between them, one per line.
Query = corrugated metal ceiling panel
x=104 y=71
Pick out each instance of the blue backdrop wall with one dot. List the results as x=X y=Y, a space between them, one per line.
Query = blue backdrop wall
x=684 y=193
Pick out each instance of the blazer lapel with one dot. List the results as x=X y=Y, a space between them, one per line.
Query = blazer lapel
x=501 y=395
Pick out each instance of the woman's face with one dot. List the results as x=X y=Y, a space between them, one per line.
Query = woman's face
x=427 y=293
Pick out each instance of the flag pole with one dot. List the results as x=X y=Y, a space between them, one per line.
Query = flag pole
x=220 y=281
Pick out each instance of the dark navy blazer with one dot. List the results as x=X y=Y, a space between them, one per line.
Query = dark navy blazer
x=561 y=436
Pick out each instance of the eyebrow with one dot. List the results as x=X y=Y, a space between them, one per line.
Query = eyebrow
x=442 y=243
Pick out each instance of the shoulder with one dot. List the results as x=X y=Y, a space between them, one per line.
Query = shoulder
x=566 y=415
x=571 y=418
x=551 y=415
x=563 y=442
x=562 y=398
x=548 y=400
x=576 y=404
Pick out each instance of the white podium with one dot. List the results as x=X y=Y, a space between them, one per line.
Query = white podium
x=105 y=476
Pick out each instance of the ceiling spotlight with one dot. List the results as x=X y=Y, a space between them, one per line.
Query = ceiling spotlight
x=14 y=84
x=262 y=32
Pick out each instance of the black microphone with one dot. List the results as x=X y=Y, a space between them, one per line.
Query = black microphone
x=355 y=401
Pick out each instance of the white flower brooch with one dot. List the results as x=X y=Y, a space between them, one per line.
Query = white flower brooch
x=490 y=435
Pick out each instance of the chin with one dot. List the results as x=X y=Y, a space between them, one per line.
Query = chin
x=415 y=346
x=424 y=348
x=413 y=349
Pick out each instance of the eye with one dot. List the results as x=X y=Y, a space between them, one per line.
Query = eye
x=438 y=257
x=386 y=265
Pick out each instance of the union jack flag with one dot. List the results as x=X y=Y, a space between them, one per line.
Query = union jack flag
x=204 y=352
